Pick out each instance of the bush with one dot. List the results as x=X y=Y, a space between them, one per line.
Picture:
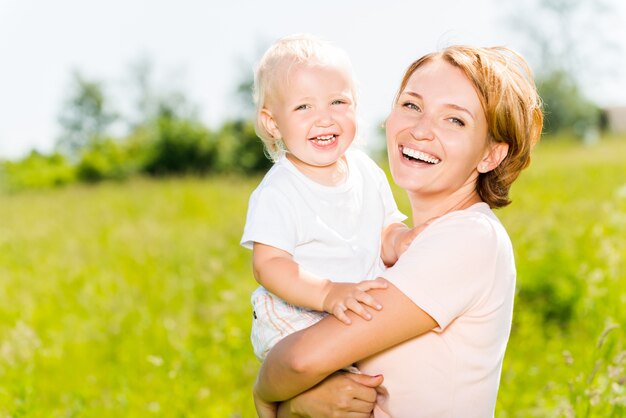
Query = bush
x=106 y=160
x=37 y=171
x=171 y=145
x=180 y=146
x=566 y=109
x=239 y=149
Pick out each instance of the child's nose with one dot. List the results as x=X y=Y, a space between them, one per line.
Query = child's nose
x=324 y=117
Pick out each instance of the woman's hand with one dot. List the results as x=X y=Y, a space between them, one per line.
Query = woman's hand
x=341 y=395
x=264 y=409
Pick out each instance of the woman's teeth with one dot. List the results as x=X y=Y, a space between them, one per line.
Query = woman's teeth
x=419 y=155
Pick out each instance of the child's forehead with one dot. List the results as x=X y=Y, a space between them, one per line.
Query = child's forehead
x=287 y=70
x=299 y=73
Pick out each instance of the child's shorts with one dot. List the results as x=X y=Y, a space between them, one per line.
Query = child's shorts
x=274 y=319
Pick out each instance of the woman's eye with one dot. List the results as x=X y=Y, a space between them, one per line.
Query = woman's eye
x=411 y=106
x=457 y=121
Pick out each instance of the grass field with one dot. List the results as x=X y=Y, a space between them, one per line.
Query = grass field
x=131 y=299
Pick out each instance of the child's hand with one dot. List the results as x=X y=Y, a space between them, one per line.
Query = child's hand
x=343 y=296
x=406 y=237
x=400 y=237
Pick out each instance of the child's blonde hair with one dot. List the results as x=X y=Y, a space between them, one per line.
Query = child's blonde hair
x=273 y=71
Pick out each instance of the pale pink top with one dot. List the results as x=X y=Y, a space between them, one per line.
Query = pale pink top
x=461 y=271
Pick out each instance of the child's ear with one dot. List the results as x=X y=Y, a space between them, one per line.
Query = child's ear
x=269 y=123
x=494 y=157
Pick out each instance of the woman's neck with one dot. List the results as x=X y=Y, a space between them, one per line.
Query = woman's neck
x=427 y=207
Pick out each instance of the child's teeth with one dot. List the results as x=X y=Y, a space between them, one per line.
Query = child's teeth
x=324 y=139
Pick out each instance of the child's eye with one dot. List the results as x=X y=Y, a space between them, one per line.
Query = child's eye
x=338 y=102
x=457 y=121
x=302 y=107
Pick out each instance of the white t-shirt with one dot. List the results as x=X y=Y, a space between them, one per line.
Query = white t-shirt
x=461 y=271
x=333 y=232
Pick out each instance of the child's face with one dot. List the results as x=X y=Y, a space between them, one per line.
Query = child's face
x=314 y=114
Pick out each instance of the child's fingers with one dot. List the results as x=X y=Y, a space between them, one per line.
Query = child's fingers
x=340 y=313
x=358 y=309
x=368 y=300
x=379 y=283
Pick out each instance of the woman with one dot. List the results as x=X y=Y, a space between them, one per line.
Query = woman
x=461 y=130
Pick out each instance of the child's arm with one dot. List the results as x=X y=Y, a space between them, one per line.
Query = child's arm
x=396 y=238
x=275 y=270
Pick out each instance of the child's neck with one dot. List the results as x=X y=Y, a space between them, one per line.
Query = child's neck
x=330 y=175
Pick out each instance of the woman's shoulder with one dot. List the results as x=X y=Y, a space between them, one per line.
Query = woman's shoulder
x=477 y=223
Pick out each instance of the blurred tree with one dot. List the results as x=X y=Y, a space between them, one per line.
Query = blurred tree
x=565 y=107
x=565 y=41
x=239 y=149
x=180 y=145
x=244 y=100
x=244 y=93
x=85 y=115
x=141 y=88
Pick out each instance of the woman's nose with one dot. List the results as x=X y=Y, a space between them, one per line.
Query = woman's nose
x=422 y=129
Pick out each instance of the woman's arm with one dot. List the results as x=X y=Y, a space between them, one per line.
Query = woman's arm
x=305 y=358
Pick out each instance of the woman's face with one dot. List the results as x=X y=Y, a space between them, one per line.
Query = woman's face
x=437 y=132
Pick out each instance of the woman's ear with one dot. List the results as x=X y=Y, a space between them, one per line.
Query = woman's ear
x=494 y=157
x=269 y=123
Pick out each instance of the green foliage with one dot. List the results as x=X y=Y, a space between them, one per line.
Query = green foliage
x=164 y=138
x=106 y=160
x=132 y=299
x=126 y=300
x=569 y=233
x=180 y=146
x=239 y=149
x=566 y=109
x=564 y=58
x=36 y=171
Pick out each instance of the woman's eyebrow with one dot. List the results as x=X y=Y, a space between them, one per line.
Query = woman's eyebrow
x=414 y=94
x=451 y=105
x=460 y=108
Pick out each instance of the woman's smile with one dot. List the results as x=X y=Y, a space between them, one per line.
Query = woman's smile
x=417 y=156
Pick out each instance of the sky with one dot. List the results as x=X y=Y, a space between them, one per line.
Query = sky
x=205 y=48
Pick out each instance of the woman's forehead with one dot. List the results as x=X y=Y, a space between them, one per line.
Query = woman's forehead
x=439 y=81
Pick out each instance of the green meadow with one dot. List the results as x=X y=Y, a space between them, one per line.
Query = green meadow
x=132 y=299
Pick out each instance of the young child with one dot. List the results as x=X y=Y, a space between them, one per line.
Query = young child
x=314 y=223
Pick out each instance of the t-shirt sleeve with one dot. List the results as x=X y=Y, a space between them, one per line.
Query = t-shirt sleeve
x=271 y=220
x=449 y=267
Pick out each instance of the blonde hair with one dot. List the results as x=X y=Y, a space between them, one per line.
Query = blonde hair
x=512 y=106
x=274 y=68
